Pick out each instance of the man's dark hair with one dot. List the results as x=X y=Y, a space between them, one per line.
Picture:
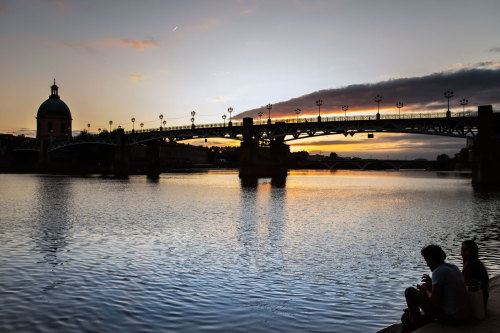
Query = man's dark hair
x=434 y=253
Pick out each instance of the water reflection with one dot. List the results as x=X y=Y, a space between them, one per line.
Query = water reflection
x=52 y=227
x=254 y=182
x=260 y=232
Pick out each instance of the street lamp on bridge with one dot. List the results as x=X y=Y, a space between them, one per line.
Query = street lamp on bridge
x=345 y=108
x=297 y=111
x=133 y=123
x=224 y=119
x=192 y=118
x=88 y=128
x=378 y=99
x=269 y=107
x=230 y=122
x=142 y=125
x=110 y=123
x=165 y=123
x=448 y=94
x=464 y=102
x=260 y=116
x=399 y=105
x=161 y=118
x=319 y=102
x=99 y=130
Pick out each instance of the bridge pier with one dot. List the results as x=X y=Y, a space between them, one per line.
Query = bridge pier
x=486 y=151
x=121 y=160
x=259 y=162
x=153 y=159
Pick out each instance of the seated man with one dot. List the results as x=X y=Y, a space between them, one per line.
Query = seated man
x=443 y=297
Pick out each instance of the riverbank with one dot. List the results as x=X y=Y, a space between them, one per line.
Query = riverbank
x=491 y=324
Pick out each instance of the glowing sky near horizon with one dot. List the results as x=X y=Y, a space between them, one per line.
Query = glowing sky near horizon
x=114 y=60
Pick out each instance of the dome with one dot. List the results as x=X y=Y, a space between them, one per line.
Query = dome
x=54 y=106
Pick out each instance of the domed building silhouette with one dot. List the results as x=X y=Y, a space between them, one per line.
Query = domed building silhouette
x=53 y=117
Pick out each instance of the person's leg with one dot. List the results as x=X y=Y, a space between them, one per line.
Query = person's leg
x=416 y=301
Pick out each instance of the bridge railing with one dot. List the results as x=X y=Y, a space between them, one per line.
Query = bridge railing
x=185 y=127
x=371 y=117
x=314 y=119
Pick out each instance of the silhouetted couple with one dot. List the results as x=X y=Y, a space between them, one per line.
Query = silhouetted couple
x=444 y=296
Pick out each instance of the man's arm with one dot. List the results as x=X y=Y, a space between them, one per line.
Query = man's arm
x=435 y=295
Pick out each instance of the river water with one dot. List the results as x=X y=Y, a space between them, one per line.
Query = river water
x=199 y=252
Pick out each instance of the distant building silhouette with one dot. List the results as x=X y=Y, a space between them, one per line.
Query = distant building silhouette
x=53 y=117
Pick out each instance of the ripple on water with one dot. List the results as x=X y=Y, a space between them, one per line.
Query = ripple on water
x=198 y=252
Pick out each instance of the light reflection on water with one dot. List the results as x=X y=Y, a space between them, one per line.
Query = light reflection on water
x=199 y=252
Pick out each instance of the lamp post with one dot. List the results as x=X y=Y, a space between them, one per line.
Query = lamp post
x=88 y=128
x=142 y=125
x=230 y=122
x=224 y=119
x=297 y=112
x=260 y=116
x=345 y=108
x=378 y=99
x=464 y=102
x=161 y=118
x=319 y=102
x=99 y=130
x=269 y=107
x=192 y=118
x=133 y=123
x=110 y=123
x=399 y=105
x=448 y=94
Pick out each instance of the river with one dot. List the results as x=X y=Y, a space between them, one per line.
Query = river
x=199 y=252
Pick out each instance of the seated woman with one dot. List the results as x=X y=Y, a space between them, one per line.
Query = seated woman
x=473 y=270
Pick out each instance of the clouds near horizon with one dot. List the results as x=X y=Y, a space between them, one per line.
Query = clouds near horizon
x=479 y=83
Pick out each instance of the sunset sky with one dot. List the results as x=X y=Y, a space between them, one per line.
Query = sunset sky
x=114 y=60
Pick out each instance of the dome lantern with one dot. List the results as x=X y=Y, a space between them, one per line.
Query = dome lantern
x=54 y=91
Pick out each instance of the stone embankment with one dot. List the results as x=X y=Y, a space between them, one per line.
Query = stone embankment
x=491 y=324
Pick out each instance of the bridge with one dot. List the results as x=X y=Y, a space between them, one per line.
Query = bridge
x=274 y=133
x=458 y=125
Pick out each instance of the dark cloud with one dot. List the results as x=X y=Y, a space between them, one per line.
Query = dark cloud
x=479 y=83
x=495 y=49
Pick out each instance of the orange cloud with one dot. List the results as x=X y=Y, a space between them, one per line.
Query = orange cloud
x=136 y=77
x=138 y=45
x=218 y=99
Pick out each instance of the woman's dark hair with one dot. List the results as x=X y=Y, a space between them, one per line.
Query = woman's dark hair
x=434 y=253
x=472 y=246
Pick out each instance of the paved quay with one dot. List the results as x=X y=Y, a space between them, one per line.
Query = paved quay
x=491 y=324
